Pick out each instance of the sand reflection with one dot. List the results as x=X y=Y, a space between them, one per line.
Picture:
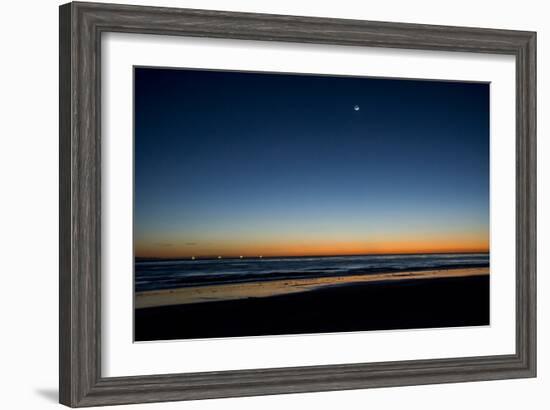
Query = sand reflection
x=202 y=294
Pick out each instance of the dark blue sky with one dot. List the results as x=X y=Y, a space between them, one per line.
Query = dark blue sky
x=258 y=163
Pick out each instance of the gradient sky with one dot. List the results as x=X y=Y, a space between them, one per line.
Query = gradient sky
x=234 y=163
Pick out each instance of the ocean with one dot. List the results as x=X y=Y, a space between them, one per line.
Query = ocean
x=171 y=274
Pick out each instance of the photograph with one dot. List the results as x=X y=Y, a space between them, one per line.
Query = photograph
x=271 y=203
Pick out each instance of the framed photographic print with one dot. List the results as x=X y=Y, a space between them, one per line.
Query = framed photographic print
x=336 y=203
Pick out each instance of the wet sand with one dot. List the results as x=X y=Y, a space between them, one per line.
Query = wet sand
x=460 y=298
x=202 y=294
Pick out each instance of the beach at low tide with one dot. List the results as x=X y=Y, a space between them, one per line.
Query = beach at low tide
x=384 y=301
x=212 y=293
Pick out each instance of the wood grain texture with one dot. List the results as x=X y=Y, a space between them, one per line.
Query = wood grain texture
x=81 y=25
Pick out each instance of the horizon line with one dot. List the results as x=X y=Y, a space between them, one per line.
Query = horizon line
x=216 y=257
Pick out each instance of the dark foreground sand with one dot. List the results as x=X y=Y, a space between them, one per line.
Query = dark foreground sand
x=403 y=304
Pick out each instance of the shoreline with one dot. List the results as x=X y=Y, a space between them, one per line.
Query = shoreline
x=442 y=302
x=262 y=289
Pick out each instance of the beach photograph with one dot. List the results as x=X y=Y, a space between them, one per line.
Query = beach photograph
x=281 y=203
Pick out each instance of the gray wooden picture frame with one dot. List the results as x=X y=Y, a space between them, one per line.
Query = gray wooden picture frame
x=81 y=27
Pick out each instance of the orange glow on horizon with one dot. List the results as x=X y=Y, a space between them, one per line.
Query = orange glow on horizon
x=316 y=248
